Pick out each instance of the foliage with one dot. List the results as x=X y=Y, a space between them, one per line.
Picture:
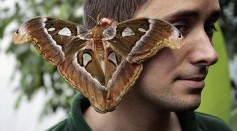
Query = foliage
x=228 y=22
x=36 y=74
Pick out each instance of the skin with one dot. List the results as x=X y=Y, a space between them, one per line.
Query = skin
x=172 y=80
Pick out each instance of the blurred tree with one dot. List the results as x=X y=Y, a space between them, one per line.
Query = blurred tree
x=228 y=22
x=36 y=74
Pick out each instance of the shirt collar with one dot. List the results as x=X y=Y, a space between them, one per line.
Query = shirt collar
x=80 y=104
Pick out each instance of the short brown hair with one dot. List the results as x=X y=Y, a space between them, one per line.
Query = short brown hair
x=118 y=10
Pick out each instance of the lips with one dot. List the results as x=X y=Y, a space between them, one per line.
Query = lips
x=199 y=78
x=193 y=82
x=193 y=79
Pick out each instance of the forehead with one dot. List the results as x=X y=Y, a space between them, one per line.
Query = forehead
x=166 y=8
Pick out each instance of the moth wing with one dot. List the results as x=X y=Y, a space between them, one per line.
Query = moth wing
x=120 y=75
x=139 y=39
x=122 y=80
x=54 y=38
x=83 y=70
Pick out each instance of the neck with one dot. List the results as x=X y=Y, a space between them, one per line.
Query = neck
x=129 y=115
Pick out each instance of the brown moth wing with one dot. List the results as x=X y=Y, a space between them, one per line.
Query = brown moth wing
x=122 y=80
x=139 y=39
x=52 y=37
x=112 y=60
x=83 y=70
x=120 y=75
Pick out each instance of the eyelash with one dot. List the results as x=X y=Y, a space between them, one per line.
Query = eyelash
x=184 y=28
x=210 y=29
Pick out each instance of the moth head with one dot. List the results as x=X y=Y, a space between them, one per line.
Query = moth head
x=104 y=22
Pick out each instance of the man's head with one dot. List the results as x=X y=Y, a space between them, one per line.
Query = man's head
x=117 y=10
x=173 y=79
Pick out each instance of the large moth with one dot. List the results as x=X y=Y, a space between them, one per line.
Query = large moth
x=102 y=62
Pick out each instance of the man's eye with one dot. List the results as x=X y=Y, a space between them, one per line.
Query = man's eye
x=210 y=29
x=182 y=28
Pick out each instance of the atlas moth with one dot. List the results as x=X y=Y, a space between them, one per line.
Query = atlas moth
x=102 y=62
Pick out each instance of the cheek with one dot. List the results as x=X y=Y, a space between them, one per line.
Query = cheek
x=159 y=69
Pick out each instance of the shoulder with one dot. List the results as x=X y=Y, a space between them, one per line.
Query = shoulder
x=61 y=126
x=208 y=122
x=74 y=120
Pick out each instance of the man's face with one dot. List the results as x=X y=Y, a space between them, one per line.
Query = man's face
x=173 y=79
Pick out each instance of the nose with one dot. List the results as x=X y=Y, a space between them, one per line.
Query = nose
x=202 y=50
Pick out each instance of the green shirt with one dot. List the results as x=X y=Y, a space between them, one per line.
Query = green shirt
x=190 y=121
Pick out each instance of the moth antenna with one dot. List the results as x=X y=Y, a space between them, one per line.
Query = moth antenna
x=92 y=19
x=98 y=18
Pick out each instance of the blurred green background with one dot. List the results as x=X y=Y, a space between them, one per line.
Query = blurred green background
x=219 y=96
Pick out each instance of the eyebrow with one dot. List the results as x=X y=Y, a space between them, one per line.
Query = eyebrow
x=215 y=14
x=181 y=14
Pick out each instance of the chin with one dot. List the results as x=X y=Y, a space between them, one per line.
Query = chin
x=185 y=108
x=192 y=107
x=189 y=105
x=181 y=103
